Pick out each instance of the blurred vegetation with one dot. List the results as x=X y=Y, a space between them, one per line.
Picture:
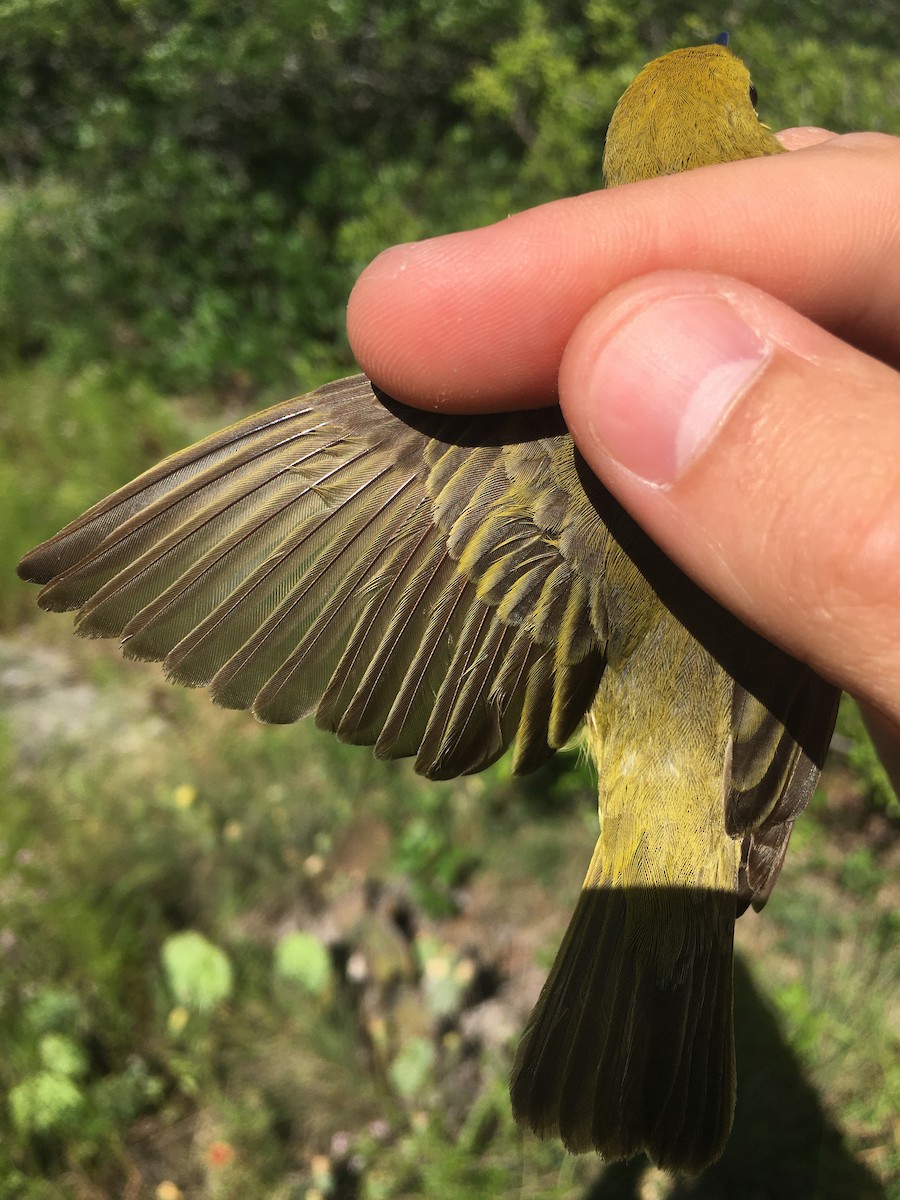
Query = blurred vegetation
x=249 y=962
x=245 y=962
x=201 y=182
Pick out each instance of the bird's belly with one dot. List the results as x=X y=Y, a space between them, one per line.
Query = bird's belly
x=659 y=733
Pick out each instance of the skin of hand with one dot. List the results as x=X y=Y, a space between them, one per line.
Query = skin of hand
x=766 y=464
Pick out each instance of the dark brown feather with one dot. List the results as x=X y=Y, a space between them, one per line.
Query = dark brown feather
x=615 y=1044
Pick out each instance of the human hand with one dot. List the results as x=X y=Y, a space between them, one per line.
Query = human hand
x=725 y=346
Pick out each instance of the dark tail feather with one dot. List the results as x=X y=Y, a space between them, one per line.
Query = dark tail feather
x=630 y=1046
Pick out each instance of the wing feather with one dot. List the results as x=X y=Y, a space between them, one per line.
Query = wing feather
x=775 y=764
x=412 y=579
x=438 y=587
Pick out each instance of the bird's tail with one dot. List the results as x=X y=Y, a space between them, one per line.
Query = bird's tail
x=630 y=1046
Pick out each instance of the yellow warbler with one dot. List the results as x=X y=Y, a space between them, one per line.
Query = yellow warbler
x=690 y=108
x=446 y=586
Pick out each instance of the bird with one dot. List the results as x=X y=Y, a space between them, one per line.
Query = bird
x=445 y=587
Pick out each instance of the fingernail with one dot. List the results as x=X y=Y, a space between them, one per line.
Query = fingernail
x=666 y=378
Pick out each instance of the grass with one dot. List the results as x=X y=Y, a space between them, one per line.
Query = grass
x=363 y=947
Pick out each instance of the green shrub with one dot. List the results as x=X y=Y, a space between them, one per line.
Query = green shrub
x=192 y=188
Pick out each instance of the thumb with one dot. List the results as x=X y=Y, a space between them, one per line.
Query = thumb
x=761 y=453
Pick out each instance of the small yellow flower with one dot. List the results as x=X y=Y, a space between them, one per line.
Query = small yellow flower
x=184 y=795
x=437 y=968
x=464 y=972
x=178 y=1018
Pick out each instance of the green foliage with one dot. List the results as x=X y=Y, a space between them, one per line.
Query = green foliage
x=197 y=972
x=429 y=858
x=445 y=976
x=192 y=188
x=119 y=836
x=109 y=851
x=64 y=443
x=860 y=872
x=62 y=1056
x=863 y=758
x=184 y=182
x=537 y=85
x=45 y=1103
x=52 y=1009
x=301 y=958
x=411 y=1069
x=822 y=79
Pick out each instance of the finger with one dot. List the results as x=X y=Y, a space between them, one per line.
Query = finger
x=481 y=319
x=761 y=453
x=803 y=136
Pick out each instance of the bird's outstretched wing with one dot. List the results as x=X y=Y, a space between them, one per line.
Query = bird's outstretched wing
x=427 y=585
x=435 y=586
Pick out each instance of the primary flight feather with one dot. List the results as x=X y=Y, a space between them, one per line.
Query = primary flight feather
x=445 y=587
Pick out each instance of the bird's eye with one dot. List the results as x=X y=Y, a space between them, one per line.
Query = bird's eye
x=753 y=96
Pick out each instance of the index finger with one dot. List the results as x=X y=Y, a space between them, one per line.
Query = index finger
x=480 y=319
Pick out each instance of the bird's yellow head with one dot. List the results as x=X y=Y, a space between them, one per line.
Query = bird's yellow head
x=687 y=109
